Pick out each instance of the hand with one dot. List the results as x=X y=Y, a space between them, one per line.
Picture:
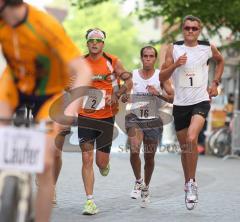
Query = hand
x=111 y=99
x=181 y=60
x=73 y=108
x=212 y=91
x=124 y=98
x=70 y=114
x=152 y=90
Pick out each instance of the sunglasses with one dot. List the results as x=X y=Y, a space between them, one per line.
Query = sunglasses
x=96 y=40
x=193 y=28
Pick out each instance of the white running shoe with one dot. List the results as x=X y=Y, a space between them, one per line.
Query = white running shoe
x=191 y=191
x=136 y=192
x=145 y=195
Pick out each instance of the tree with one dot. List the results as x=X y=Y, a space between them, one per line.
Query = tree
x=121 y=34
x=214 y=14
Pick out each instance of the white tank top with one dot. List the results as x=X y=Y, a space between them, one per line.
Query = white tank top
x=143 y=104
x=191 y=80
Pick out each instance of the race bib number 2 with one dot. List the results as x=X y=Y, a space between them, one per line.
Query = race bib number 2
x=190 y=78
x=95 y=100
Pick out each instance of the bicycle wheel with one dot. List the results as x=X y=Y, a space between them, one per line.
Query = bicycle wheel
x=219 y=142
x=9 y=200
x=210 y=142
x=223 y=142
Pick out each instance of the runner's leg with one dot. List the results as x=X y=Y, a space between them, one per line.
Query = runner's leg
x=87 y=167
x=188 y=142
x=150 y=148
x=102 y=159
x=182 y=136
x=196 y=125
x=135 y=138
x=46 y=182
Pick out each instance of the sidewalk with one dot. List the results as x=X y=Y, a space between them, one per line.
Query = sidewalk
x=218 y=180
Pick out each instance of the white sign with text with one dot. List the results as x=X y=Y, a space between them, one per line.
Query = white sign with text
x=22 y=149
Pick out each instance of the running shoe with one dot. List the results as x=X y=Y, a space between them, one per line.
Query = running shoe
x=136 y=192
x=191 y=191
x=90 y=208
x=145 y=195
x=104 y=172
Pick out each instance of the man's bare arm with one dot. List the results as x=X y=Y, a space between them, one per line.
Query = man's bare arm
x=81 y=76
x=216 y=55
x=169 y=95
x=169 y=66
x=125 y=76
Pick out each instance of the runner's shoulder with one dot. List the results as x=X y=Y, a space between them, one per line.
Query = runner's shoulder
x=113 y=57
x=200 y=42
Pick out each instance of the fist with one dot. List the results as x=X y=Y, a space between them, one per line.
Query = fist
x=152 y=90
x=181 y=60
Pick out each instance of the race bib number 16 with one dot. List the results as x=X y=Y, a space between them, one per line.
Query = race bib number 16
x=146 y=109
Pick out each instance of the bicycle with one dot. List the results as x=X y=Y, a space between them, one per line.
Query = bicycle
x=21 y=154
x=219 y=142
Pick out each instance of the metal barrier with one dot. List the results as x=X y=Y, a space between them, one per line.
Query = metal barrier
x=236 y=132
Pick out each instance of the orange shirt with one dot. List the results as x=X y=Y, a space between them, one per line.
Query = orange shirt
x=104 y=80
x=37 y=52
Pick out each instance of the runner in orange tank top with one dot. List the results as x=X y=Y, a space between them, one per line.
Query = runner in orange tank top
x=96 y=118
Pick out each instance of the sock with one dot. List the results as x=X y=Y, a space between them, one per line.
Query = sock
x=145 y=187
x=139 y=180
x=192 y=180
x=89 y=197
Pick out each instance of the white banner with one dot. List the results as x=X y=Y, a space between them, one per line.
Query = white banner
x=22 y=149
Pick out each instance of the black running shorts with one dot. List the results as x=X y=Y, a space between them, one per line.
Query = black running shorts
x=183 y=114
x=151 y=128
x=99 y=130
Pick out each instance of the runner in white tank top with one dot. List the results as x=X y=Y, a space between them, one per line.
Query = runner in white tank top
x=144 y=104
x=143 y=124
x=187 y=63
x=191 y=79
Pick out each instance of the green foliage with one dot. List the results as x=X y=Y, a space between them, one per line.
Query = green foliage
x=86 y=3
x=121 y=34
x=62 y=4
x=213 y=13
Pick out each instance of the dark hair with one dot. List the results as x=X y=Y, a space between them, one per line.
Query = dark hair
x=13 y=2
x=89 y=30
x=192 y=18
x=148 y=47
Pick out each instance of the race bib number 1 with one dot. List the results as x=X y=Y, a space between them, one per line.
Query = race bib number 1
x=190 y=78
x=95 y=99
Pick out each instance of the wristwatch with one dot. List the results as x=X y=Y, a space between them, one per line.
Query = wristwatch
x=217 y=82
